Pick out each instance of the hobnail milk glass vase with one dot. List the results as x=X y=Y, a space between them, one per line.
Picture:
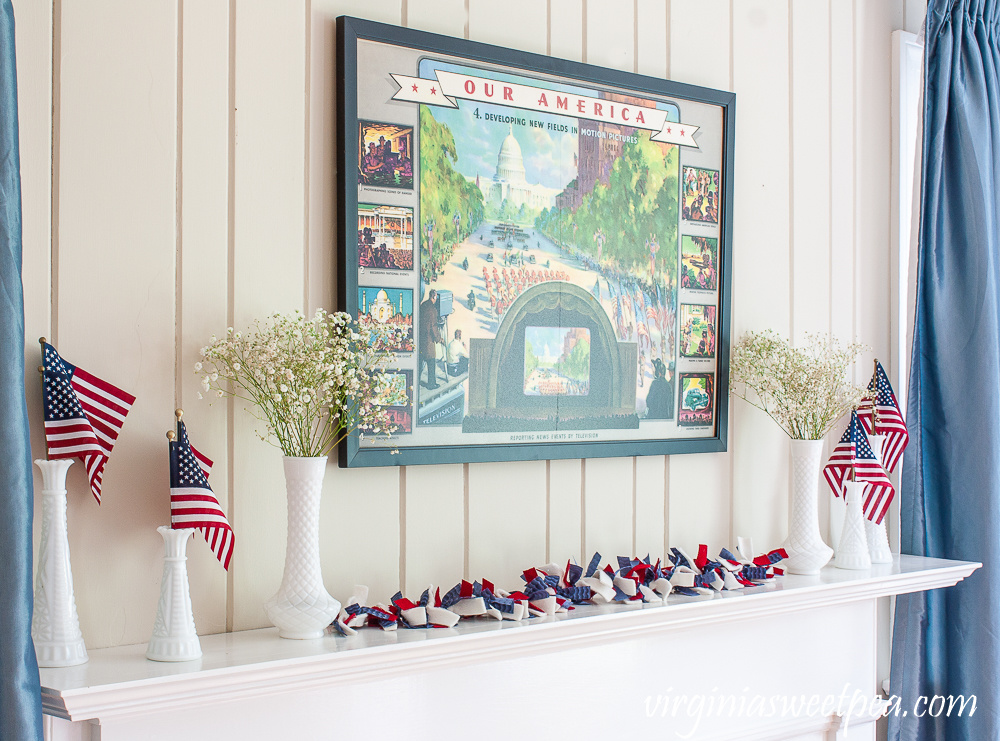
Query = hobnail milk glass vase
x=807 y=553
x=878 y=537
x=174 y=635
x=852 y=550
x=302 y=608
x=55 y=626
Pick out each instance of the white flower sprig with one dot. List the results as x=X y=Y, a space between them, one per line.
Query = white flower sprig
x=804 y=390
x=312 y=381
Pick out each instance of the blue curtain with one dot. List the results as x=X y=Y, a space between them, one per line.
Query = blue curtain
x=20 y=695
x=947 y=642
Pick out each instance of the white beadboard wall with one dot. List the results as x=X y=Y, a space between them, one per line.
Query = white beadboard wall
x=178 y=177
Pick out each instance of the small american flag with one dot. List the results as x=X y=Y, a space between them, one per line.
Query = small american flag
x=887 y=420
x=192 y=502
x=83 y=415
x=854 y=453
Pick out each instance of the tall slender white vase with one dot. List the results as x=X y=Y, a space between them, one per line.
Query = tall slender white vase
x=878 y=536
x=302 y=608
x=55 y=625
x=174 y=635
x=852 y=549
x=878 y=542
x=807 y=553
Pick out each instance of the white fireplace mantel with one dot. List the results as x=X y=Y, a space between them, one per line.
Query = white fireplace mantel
x=597 y=668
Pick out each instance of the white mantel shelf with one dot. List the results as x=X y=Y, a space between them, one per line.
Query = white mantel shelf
x=119 y=682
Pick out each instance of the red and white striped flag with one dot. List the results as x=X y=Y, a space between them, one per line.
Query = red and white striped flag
x=83 y=415
x=192 y=502
x=853 y=453
x=886 y=419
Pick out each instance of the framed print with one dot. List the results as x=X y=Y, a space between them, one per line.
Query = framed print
x=554 y=239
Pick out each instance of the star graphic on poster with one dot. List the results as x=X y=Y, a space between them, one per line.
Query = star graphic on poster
x=414 y=88
x=433 y=91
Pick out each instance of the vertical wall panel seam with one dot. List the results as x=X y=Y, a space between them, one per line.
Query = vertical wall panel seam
x=635 y=69
x=733 y=417
x=548 y=52
x=732 y=40
x=306 y=145
x=404 y=18
x=791 y=175
x=583 y=507
x=666 y=458
x=635 y=492
x=56 y=104
x=548 y=511
x=466 y=30
x=666 y=46
x=583 y=461
x=666 y=504
x=854 y=173
x=179 y=210
x=731 y=434
x=402 y=528
x=829 y=163
x=466 y=523
x=231 y=312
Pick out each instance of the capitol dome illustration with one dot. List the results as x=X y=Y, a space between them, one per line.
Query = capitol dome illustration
x=510 y=161
x=510 y=182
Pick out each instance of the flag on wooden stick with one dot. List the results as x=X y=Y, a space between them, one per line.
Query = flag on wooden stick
x=192 y=501
x=853 y=454
x=83 y=415
x=880 y=415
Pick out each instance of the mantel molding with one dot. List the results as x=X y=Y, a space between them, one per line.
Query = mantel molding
x=119 y=682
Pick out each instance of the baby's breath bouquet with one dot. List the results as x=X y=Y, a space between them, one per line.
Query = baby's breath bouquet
x=804 y=390
x=311 y=381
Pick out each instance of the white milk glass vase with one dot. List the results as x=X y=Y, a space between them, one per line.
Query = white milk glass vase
x=878 y=537
x=807 y=553
x=174 y=635
x=55 y=625
x=852 y=549
x=302 y=608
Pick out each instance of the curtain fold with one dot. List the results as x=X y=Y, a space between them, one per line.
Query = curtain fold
x=946 y=642
x=20 y=695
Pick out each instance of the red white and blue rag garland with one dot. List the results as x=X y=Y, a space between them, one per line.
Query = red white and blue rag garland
x=551 y=589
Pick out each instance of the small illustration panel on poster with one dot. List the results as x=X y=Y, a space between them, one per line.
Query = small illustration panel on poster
x=699 y=263
x=697 y=331
x=521 y=218
x=385 y=237
x=392 y=306
x=697 y=399
x=400 y=415
x=701 y=195
x=385 y=158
